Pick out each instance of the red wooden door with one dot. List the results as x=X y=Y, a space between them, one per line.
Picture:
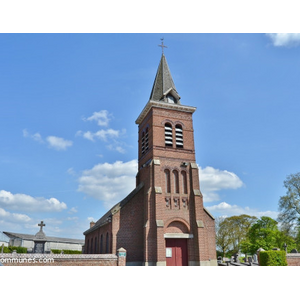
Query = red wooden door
x=176 y=252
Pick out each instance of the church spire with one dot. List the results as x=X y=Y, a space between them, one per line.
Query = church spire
x=164 y=88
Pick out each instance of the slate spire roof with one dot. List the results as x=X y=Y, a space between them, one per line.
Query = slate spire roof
x=164 y=88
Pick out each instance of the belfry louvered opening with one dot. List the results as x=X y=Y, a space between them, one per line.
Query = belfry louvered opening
x=168 y=135
x=145 y=141
x=179 y=136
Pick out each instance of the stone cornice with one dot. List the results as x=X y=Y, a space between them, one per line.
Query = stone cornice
x=163 y=105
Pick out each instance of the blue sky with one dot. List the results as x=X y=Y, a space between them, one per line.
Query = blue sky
x=69 y=104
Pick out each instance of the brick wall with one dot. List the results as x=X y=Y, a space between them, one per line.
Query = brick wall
x=125 y=229
x=96 y=241
x=128 y=227
x=25 y=259
x=293 y=259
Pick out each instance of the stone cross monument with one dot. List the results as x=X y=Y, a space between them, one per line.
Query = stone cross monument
x=40 y=240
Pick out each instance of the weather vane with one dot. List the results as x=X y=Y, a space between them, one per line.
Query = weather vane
x=162 y=45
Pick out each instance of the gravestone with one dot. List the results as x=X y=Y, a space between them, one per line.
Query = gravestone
x=294 y=251
x=236 y=258
x=40 y=240
x=255 y=258
x=250 y=261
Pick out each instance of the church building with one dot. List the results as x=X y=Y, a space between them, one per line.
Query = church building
x=163 y=220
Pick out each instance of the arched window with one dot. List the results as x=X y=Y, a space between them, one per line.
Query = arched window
x=101 y=244
x=184 y=182
x=179 y=136
x=168 y=181
x=176 y=182
x=168 y=135
x=88 y=247
x=107 y=242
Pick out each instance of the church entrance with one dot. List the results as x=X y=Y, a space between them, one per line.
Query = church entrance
x=176 y=252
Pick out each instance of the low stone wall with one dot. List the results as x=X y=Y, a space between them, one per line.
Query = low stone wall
x=26 y=259
x=293 y=259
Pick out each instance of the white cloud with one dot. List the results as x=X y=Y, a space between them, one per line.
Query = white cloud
x=110 y=136
x=109 y=183
x=72 y=218
x=213 y=180
x=71 y=172
x=13 y=217
x=100 y=134
x=226 y=210
x=120 y=149
x=36 y=137
x=58 y=143
x=25 y=133
x=284 y=39
x=54 y=142
x=73 y=210
x=102 y=117
x=112 y=182
x=22 y=202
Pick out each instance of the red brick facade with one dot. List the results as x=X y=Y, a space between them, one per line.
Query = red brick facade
x=167 y=202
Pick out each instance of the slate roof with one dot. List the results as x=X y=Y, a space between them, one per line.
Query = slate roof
x=163 y=82
x=31 y=237
x=107 y=217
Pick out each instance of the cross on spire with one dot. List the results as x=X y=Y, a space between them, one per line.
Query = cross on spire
x=41 y=225
x=162 y=45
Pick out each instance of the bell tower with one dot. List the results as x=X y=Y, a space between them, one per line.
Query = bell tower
x=178 y=230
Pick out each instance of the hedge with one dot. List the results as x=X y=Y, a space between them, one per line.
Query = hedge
x=272 y=258
x=10 y=249
x=56 y=251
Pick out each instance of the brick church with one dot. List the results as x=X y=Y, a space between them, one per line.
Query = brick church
x=162 y=221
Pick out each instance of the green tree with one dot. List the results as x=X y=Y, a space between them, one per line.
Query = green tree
x=246 y=246
x=289 y=205
x=238 y=228
x=284 y=238
x=264 y=234
x=297 y=239
x=222 y=235
x=230 y=232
